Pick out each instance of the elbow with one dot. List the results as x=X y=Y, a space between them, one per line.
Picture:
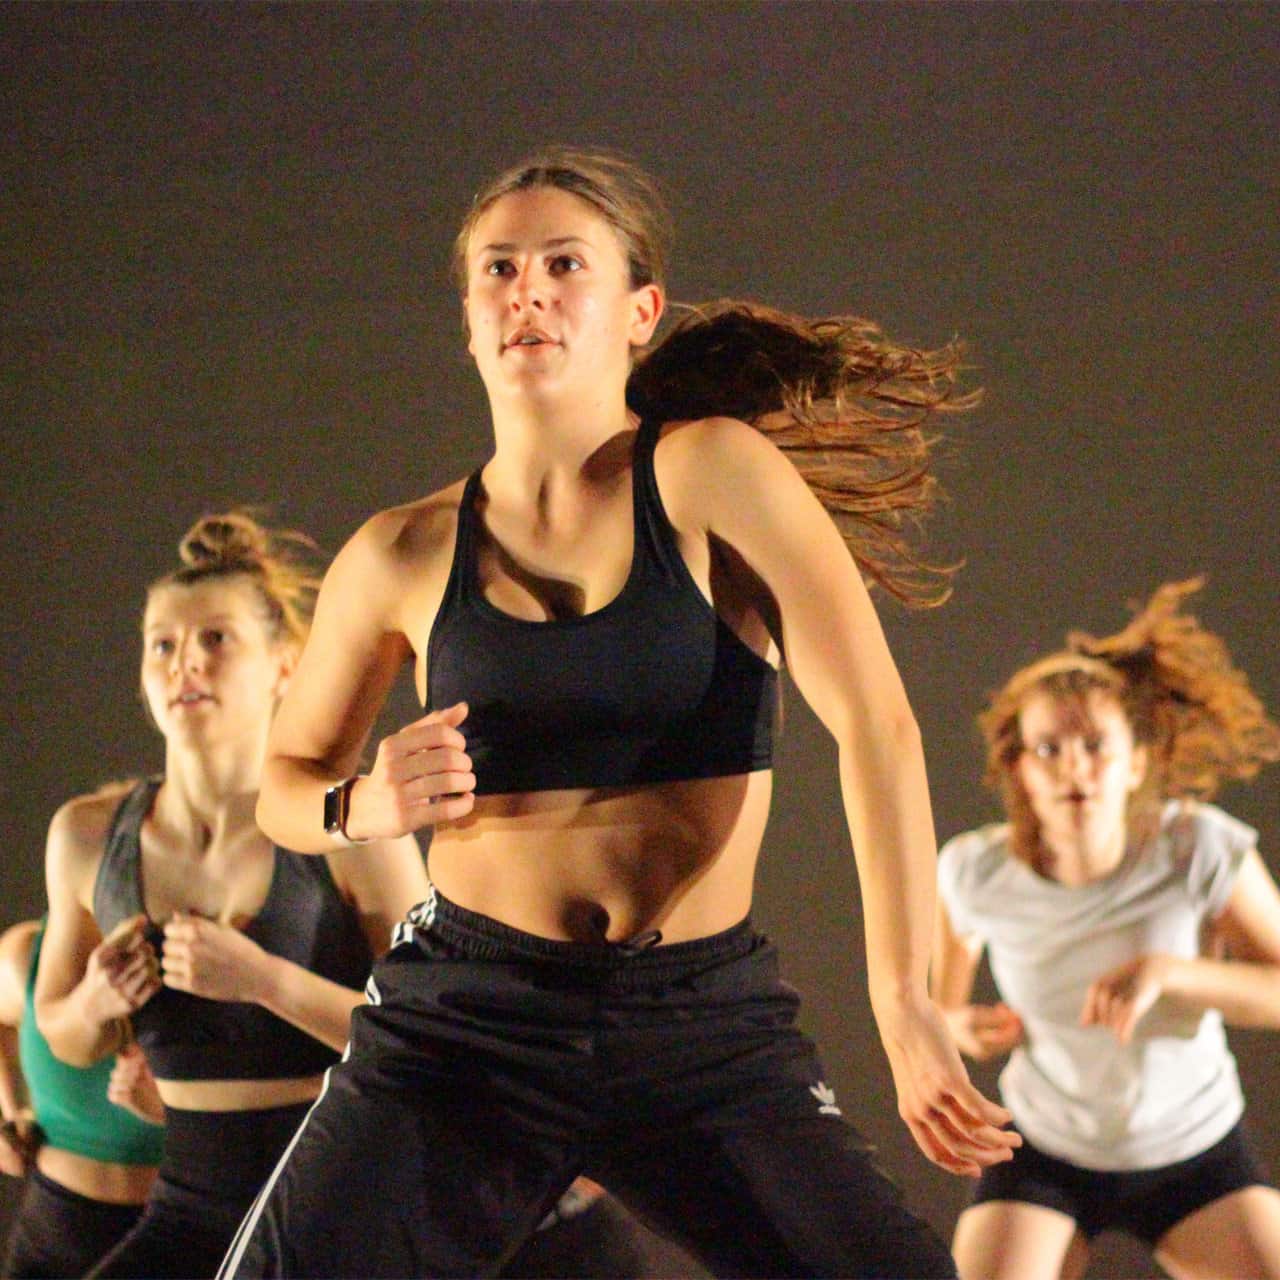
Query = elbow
x=262 y=812
x=267 y=812
x=66 y=1049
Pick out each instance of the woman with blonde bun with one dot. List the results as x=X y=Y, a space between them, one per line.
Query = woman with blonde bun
x=174 y=921
x=1126 y=919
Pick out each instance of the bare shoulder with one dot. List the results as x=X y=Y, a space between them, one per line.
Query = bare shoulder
x=700 y=440
x=78 y=833
x=411 y=535
x=710 y=468
x=391 y=564
x=399 y=550
x=15 y=959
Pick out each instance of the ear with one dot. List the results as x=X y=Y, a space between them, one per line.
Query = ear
x=287 y=665
x=647 y=305
x=1139 y=762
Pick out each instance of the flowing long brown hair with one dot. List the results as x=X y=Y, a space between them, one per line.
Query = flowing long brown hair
x=847 y=406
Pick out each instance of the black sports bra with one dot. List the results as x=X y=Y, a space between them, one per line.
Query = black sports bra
x=304 y=919
x=653 y=687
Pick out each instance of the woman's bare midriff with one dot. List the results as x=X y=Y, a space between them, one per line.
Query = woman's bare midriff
x=96 y=1179
x=592 y=865
x=238 y=1095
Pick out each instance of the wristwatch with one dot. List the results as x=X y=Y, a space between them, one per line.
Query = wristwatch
x=337 y=804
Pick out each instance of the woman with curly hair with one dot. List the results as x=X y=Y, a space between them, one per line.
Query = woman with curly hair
x=595 y=618
x=1126 y=919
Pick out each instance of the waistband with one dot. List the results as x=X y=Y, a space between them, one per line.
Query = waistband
x=48 y=1186
x=225 y=1154
x=480 y=937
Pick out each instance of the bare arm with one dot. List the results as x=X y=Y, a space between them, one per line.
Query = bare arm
x=981 y=1031
x=18 y=1140
x=1245 y=988
x=15 y=960
x=381 y=880
x=87 y=985
x=757 y=503
x=358 y=643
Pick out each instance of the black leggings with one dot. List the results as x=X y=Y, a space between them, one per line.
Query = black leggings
x=493 y=1066
x=213 y=1164
x=59 y=1232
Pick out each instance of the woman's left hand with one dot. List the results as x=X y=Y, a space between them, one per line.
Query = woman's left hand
x=133 y=1087
x=1119 y=999
x=952 y=1123
x=213 y=960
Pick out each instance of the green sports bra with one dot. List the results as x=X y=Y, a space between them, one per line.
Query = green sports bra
x=70 y=1103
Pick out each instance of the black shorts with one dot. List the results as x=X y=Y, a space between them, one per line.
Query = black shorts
x=1144 y=1202
x=492 y=1067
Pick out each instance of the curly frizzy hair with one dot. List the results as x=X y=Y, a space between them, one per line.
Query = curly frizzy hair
x=1184 y=698
x=847 y=406
x=278 y=562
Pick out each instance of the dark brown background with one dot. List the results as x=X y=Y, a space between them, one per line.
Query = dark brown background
x=224 y=245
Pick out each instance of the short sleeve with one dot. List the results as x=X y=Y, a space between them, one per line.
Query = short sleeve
x=1221 y=843
x=956 y=882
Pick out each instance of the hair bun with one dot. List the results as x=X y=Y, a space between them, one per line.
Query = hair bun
x=230 y=540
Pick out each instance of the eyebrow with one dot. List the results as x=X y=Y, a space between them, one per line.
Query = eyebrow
x=219 y=619
x=557 y=243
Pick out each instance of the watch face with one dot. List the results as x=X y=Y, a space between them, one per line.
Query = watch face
x=333 y=809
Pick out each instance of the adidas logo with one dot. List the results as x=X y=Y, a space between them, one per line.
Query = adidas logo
x=826 y=1097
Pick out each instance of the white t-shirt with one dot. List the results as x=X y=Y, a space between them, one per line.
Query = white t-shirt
x=1076 y=1092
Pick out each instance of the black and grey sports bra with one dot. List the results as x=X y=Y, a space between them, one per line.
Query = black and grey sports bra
x=304 y=919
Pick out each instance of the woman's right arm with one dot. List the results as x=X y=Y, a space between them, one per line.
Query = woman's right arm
x=87 y=985
x=371 y=602
x=981 y=1031
x=16 y=1134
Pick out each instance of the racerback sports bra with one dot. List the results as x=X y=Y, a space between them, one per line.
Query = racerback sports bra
x=653 y=687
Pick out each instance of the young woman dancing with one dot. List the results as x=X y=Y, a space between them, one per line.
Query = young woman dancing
x=594 y=619
x=1104 y=904
x=173 y=918
x=88 y=1156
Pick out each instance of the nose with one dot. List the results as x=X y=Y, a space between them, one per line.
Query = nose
x=528 y=291
x=187 y=654
x=1076 y=760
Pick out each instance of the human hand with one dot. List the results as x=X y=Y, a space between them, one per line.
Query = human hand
x=1119 y=999
x=984 y=1031
x=205 y=958
x=952 y=1123
x=121 y=974
x=19 y=1142
x=133 y=1087
x=421 y=776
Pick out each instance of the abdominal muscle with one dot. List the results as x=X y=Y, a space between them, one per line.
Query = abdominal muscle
x=609 y=864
